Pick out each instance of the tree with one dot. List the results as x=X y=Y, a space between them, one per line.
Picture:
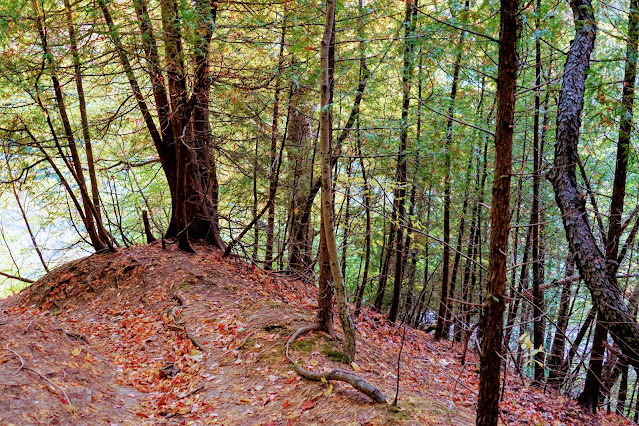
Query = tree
x=327 y=64
x=606 y=296
x=490 y=367
x=183 y=140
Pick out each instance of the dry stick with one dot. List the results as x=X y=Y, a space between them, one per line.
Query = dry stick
x=338 y=375
x=451 y=403
x=399 y=359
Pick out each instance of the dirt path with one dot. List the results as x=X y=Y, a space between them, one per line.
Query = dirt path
x=148 y=336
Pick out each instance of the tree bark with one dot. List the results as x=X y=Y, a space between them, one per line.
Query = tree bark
x=327 y=61
x=272 y=188
x=490 y=359
x=538 y=279
x=606 y=295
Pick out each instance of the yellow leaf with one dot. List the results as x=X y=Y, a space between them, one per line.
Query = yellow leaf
x=75 y=351
x=528 y=342
x=329 y=389
x=355 y=366
x=314 y=362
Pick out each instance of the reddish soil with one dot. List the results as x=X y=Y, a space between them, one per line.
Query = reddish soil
x=113 y=339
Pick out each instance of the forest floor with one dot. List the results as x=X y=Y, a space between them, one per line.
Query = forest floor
x=113 y=339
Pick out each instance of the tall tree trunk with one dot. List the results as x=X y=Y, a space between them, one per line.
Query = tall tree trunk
x=347 y=217
x=592 y=389
x=83 y=119
x=458 y=251
x=399 y=198
x=327 y=60
x=367 y=237
x=272 y=187
x=443 y=304
x=490 y=359
x=183 y=141
x=593 y=264
x=383 y=274
x=537 y=293
x=299 y=237
x=92 y=222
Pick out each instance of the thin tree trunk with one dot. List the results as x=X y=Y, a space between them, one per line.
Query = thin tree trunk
x=443 y=304
x=458 y=251
x=347 y=217
x=556 y=357
x=76 y=166
x=327 y=59
x=367 y=236
x=272 y=188
x=490 y=359
x=83 y=118
x=399 y=199
x=537 y=293
x=23 y=212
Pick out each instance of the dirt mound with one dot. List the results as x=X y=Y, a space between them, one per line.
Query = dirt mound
x=153 y=336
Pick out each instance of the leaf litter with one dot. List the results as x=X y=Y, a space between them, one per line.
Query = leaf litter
x=153 y=336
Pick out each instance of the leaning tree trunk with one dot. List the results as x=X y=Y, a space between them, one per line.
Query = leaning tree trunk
x=490 y=367
x=591 y=261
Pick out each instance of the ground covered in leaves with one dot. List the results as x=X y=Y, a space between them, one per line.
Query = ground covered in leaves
x=153 y=336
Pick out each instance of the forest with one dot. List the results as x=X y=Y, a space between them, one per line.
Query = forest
x=456 y=177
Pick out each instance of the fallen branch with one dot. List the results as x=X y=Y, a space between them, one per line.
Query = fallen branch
x=339 y=375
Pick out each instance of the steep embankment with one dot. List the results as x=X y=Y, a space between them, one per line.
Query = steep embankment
x=151 y=336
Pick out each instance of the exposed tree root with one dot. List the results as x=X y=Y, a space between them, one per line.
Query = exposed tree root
x=43 y=377
x=179 y=321
x=339 y=375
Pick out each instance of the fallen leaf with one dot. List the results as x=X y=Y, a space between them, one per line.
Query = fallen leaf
x=75 y=351
x=307 y=405
x=329 y=389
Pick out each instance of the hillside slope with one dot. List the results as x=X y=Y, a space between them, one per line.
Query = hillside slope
x=153 y=336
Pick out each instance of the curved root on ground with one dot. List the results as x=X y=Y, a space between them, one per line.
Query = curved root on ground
x=339 y=375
